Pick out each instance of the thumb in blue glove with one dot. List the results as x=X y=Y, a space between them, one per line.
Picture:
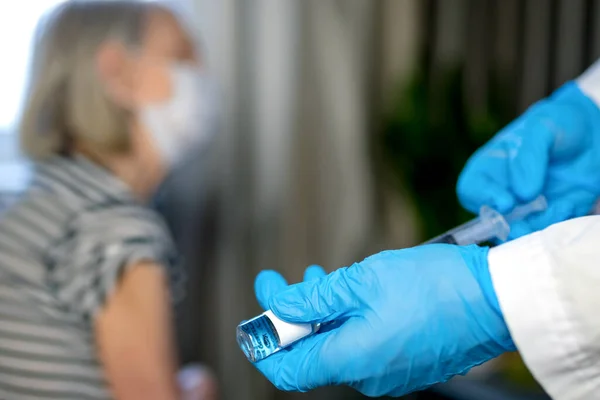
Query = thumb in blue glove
x=407 y=319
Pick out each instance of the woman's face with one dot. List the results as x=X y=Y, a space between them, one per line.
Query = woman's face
x=144 y=79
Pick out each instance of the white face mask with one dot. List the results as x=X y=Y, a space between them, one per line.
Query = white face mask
x=188 y=119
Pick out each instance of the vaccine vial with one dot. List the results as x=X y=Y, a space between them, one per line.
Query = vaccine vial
x=266 y=334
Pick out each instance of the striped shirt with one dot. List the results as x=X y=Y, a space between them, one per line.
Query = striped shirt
x=63 y=247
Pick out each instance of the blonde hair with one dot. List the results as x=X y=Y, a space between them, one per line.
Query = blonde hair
x=65 y=99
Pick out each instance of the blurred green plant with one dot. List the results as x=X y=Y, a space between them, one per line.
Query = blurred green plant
x=429 y=133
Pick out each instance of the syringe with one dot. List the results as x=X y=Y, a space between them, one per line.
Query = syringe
x=489 y=225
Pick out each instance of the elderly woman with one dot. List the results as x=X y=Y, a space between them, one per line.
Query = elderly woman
x=116 y=96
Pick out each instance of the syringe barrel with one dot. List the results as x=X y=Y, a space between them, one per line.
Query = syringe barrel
x=489 y=225
x=454 y=236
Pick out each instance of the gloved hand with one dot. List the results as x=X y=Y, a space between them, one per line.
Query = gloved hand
x=552 y=149
x=404 y=320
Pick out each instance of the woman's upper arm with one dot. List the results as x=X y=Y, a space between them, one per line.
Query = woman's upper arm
x=134 y=336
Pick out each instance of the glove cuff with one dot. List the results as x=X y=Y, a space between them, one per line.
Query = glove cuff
x=476 y=259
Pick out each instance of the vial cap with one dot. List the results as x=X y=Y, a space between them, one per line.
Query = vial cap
x=288 y=333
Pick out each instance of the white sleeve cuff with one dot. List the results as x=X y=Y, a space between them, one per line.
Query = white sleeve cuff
x=589 y=82
x=538 y=316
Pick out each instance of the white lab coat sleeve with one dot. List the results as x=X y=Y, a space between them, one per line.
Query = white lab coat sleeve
x=548 y=287
x=589 y=83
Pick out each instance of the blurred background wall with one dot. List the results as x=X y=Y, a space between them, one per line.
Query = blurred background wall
x=347 y=123
x=289 y=180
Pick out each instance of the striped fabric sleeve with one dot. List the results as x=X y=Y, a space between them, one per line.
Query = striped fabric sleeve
x=87 y=263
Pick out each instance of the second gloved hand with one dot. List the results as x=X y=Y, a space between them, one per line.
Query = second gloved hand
x=404 y=320
x=552 y=149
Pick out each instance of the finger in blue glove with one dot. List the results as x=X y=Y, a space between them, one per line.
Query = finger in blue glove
x=268 y=283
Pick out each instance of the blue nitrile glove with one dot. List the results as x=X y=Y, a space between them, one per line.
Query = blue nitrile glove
x=268 y=283
x=404 y=320
x=552 y=149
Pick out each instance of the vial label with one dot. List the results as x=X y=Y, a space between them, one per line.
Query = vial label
x=258 y=338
